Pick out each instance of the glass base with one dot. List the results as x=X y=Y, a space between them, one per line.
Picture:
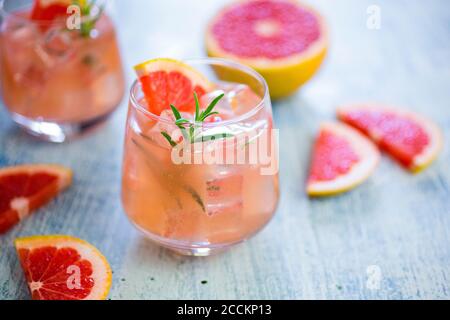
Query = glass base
x=54 y=131
x=190 y=249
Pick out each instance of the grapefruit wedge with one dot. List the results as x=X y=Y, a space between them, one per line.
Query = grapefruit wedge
x=48 y=10
x=61 y=267
x=166 y=81
x=284 y=40
x=26 y=188
x=342 y=159
x=411 y=139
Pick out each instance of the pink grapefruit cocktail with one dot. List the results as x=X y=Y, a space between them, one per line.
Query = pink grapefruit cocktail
x=198 y=207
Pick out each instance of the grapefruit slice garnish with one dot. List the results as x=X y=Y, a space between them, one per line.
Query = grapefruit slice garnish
x=282 y=39
x=342 y=159
x=166 y=81
x=411 y=139
x=61 y=267
x=49 y=10
x=26 y=188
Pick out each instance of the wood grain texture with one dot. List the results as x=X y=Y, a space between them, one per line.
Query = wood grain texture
x=318 y=249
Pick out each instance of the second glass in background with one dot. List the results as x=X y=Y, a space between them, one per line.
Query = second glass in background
x=55 y=82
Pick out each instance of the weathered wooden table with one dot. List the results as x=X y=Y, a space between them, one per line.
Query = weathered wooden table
x=390 y=238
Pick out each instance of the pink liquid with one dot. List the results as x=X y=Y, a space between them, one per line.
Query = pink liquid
x=193 y=204
x=56 y=75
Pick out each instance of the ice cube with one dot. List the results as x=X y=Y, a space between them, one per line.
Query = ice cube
x=32 y=55
x=228 y=208
x=34 y=78
x=242 y=99
x=224 y=191
x=21 y=34
x=19 y=44
x=231 y=88
x=55 y=48
x=224 y=204
x=239 y=99
x=167 y=125
x=223 y=106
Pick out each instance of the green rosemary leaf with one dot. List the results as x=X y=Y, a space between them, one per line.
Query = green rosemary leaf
x=208 y=115
x=248 y=143
x=176 y=113
x=212 y=137
x=89 y=60
x=169 y=138
x=197 y=107
x=195 y=196
x=211 y=106
x=191 y=133
x=181 y=121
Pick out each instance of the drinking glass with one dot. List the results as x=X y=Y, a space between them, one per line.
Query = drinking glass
x=57 y=81
x=204 y=203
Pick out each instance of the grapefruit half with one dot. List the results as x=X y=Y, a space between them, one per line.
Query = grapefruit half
x=411 y=139
x=342 y=159
x=25 y=188
x=61 y=267
x=284 y=40
x=166 y=81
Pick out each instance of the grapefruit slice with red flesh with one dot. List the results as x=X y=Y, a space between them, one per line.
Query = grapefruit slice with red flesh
x=411 y=139
x=166 y=81
x=282 y=39
x=61 y=267
x=48 y=10
x=26 y=188
x=342 y=159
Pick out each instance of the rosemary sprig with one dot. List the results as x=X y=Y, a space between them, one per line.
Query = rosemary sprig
x=169 y=138
x=208 y=111
x=188 y=128
x=196 y=197
x=87 y=22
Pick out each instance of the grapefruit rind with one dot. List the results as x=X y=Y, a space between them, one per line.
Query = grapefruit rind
x=431 y=152
x=102 y=273
x=169 y=65
x=283 y=76
x=369 y=158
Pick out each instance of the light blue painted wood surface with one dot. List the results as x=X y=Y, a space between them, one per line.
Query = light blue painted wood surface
x=320 y=249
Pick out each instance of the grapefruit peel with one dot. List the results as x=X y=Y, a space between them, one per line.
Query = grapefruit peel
x=368 y=159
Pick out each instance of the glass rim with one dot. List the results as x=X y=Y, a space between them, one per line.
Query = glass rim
x=8 y=14
x=208 y=61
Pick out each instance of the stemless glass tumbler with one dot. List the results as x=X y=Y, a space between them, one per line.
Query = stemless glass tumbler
x=57 y=79
x=216 y=192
